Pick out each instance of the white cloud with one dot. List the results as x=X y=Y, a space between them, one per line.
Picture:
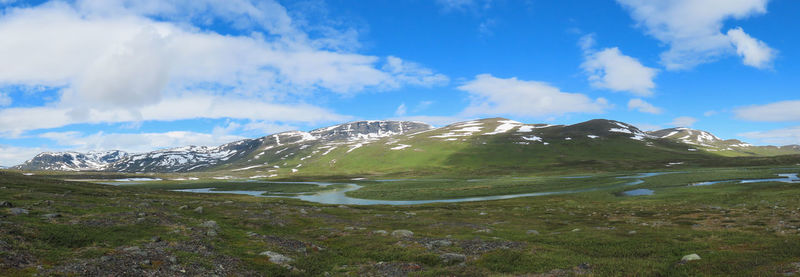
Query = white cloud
x=401 y=110
x=683 y=121
x=115 y=64
x=710 y=113
x=136 y=142
x=491 y=95
x=405 y=72
x=14 y=121
x=691 y=28
x=642 y=106
x=5 y=100
x=11 y=155
x=783 y=136
x=773 y=112
x=610 y=69
x=754 y=52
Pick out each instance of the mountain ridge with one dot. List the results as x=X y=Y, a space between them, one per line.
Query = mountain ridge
x=276 y=151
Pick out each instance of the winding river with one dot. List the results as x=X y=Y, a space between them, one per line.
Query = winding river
x=339 y=195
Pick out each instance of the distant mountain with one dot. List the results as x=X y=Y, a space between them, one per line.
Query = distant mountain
x=72 y=161
x=197 y=158
x=730 y=147
x=494 y=145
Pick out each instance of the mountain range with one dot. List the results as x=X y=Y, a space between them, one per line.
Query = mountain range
x=494 y=145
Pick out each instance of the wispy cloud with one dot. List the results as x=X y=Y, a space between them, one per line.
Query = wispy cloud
x=783 y=111
x=642 y=106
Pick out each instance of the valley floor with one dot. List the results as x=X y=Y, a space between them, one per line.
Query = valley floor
x=54 y=227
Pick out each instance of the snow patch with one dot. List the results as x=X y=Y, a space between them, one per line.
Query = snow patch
x=400 y=147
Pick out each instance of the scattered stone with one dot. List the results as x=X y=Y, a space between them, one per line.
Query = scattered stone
x=199 y=210
x=349 y=228
x=483 y=213
x=576 y=230
x=380 y=232
x=211 y=233
x=690 y=257
x=184 y=207
x=131 y=249
x=402 y=234
x=18 y=211
x=227 y=202
x=51 y=216
x=438 y=243
x=532 y=232
x=251 y=234
x=277 y=258
x=155 y=239
x=303 y=211
x=6 y=204
x=453 y=258
x=487 y=231
x=632 y=233
x=210 y=224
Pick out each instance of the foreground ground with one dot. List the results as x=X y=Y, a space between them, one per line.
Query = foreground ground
x=52 y=227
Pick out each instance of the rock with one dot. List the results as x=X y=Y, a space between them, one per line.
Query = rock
x=51 y=216
x=210 y=224
x=199 y=210
x=632 y=233
x=690 y=257
x=453 y=258
x=380 y=232
x=532 y=232
x=488 y=231
x=483 y=213
x=227 y=202
x=251 y=234
x=438 y=243
x=576 y=230
x=172 y=259
x=402 y=234
x=211 y=233
x=18 y=211
x=303 y=211
x=131 y=249
x=155 y=239
x=6 y=204
x=349 y=228
x=276 y=257
x=184 y=207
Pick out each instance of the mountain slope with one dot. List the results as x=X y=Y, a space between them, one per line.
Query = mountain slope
x=198 y=158
x=72 y=161
x=486 y=146
x=711 y=143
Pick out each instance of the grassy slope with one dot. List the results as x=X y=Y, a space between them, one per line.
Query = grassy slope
x=738 y=230
x=476 y=155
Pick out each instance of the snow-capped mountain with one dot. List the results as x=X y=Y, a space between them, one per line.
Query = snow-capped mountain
x=187 y=158
x=368 y=130
x=699 y=138
x=73 y=161
x=195 y=158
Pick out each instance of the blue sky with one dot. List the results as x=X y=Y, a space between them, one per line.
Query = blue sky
x=142 y=75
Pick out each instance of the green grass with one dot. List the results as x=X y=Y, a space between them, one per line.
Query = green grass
x=737 y=229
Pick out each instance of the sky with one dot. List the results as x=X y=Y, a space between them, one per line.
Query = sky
x=93 y=75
